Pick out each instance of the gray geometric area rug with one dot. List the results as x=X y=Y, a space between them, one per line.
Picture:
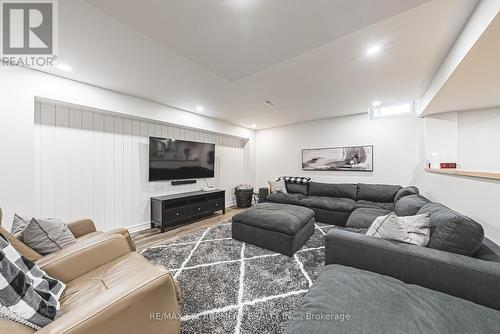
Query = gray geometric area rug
x=233 y=287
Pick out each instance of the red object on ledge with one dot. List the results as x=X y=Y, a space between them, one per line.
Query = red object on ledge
x=448 y=165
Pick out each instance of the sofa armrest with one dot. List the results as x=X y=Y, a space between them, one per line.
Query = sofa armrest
x=123 y=231
x=458 y=275
x=148 y=307
x=85 y=256
x=81 y=227
x=263 y=192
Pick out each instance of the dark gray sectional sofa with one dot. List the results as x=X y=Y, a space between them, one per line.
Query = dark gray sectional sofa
x=335 y=203
x=390 y=287
x=451 y=286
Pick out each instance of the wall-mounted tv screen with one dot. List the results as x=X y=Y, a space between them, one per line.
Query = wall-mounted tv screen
x=171 y=159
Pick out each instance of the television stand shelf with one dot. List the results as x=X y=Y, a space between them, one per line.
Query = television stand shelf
x=174 y=209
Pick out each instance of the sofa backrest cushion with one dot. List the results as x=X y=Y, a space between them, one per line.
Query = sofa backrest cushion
x=409 y=205
x=383 y=193
x=452 y=231
x=343 y=190
x=406 y=191
x=294 y=188
x=285 y=198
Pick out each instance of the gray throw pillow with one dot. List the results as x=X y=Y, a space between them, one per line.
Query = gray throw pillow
x=18 y=225
x=47 y=235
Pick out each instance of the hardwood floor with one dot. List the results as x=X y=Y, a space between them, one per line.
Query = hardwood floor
x=146 y=238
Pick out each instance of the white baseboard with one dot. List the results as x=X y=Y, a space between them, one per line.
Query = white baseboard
x=138 y=227
x=147 y=225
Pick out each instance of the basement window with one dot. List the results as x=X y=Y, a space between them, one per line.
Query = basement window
x=393 y=110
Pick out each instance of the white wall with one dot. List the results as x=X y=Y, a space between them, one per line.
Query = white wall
x=95 y=164
x=395 y=140
x=18 y=89
x=478 y=139
x=441 y=137
x=471 y=139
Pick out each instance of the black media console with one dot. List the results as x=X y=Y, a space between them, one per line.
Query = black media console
x=180 y=208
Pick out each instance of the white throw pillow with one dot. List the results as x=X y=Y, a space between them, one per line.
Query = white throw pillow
x=418 y=228
x=388 y=227
x=410 y=229
x=278 y=186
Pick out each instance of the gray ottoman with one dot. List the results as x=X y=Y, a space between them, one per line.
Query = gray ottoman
x=281 y=228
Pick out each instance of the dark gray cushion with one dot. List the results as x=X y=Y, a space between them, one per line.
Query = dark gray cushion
x=329 y=203
x=295 y=188
x=343 y=190
x=382 y=304
x=409 y=205
x=284 y=218
x=377 y=192
x=452 y=231
x=369 y=204
x=285 y=198
x=406 y=191
x=364 y=217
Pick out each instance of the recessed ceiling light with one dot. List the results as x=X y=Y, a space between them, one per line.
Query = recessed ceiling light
x=376 y=103
x=373 y=50
x=254 y=126
x=200 y=108
x=65 y=67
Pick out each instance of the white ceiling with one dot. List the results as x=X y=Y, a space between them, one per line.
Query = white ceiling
x=475 y=84
x=236 y=38
x=230 y=55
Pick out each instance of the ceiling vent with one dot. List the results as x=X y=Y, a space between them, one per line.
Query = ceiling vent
x=270 y=103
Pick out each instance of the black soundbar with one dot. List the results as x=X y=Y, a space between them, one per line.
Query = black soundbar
x=180 y=182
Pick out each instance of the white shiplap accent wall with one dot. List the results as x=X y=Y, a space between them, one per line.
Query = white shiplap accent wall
x=95 y=164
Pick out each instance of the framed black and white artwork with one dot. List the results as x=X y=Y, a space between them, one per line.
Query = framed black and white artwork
x=349 y=158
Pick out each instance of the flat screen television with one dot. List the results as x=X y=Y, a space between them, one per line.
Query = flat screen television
x=171 y=159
